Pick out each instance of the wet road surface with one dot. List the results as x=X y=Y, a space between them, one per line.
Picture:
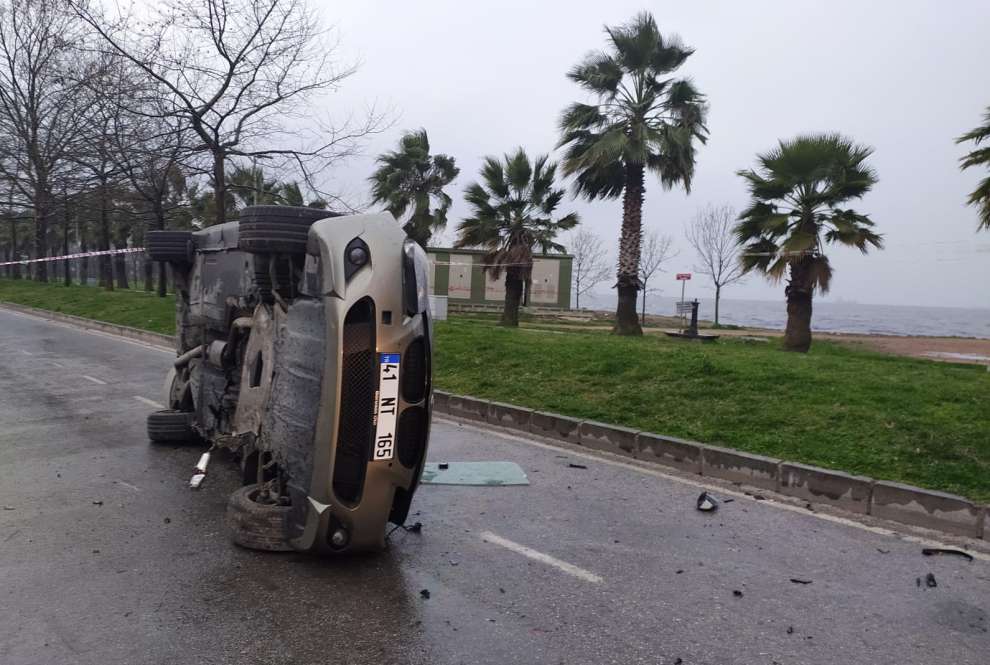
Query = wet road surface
x=107 y=557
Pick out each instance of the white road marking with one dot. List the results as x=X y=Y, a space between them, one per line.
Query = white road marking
x=149 y=402
x=93 y=379
x=528 y=552
x=835 y=519
x=128 y=485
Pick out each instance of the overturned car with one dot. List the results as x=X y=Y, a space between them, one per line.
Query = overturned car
x=303 y=344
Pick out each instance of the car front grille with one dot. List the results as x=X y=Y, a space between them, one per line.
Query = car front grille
x=411 y=436
x=357 y=394
x=414 y=372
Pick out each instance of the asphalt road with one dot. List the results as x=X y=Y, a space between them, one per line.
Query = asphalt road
x=107 y=557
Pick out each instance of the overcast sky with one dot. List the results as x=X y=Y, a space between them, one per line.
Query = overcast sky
x=904 y=77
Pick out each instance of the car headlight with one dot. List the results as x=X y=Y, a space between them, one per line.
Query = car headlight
x=415 y=278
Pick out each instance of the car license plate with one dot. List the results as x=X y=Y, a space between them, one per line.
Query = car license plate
x=386 y=405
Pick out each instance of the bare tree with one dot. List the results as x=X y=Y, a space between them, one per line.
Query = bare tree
x=590 y=265
x=717 y=247
x=41 y=71
x=657 y=250
x=240 y=74
x=151 y=149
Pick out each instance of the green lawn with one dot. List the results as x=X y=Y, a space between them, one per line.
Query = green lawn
x=133 y=308
x=915 y=421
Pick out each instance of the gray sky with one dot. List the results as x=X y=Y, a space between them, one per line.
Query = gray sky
x=905 y=77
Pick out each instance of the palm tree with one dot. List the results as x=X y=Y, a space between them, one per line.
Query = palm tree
x=410 y=179
x=979 y=157
x=640 y=120
x=795 y=211
x=513 y=214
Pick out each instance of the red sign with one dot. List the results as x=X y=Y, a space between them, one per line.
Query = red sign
x=681 y=276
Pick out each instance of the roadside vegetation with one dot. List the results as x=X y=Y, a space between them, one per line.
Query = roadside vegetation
x=888 y=417
x=125 y=307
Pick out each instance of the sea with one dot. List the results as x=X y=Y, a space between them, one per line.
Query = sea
x=828 y=316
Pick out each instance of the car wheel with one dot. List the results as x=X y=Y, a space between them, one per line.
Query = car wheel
x=169 y=246
x=256 y=525
x=170 y=426
x=277 y=229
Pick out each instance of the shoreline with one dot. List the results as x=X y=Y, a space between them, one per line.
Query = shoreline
x=941 y=348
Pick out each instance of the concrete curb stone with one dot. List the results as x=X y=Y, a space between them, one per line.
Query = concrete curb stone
x=740 y=467
x=834 y=488
x=553 y=426
x=610 y=438
x=677 y=453
x=926 y=508
x=441 y=401
x=507 y=415
x=467 y=407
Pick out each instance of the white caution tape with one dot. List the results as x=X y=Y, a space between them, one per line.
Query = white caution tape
x=79 y=255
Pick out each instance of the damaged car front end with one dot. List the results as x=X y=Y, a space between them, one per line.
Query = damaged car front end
x=313 y=362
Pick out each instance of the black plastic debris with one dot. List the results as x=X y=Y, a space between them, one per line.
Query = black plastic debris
x=707 y=503
x=425 y=593
x=577 y=466
x=729 y=500
x=97 y=503
x=883 y=551
x=443 y=466
x=790 y=630
x=798 y=580
x=737 y=593
x=414 y=528
x=930 y=581
x=938 y=551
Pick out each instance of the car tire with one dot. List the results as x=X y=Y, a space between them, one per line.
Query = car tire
x=170 y=426
x=263 y=279
x=169 y=246
x=256 y=526
x=277 y=229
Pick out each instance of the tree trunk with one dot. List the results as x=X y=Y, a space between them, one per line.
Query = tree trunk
x=40 y=237
x=15 y=270
x=718 y=296
x=642 y=318
x=106 y=264
x=513 y=295
x=628 y=285
x=65 y=247
x=162 y=276
x=797 y=335
x=219 y=187
x=120 y=260
x=84 y=262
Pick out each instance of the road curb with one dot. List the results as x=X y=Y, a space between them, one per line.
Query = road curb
x=91 y=324
x=928 y=508
x=896 y=502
